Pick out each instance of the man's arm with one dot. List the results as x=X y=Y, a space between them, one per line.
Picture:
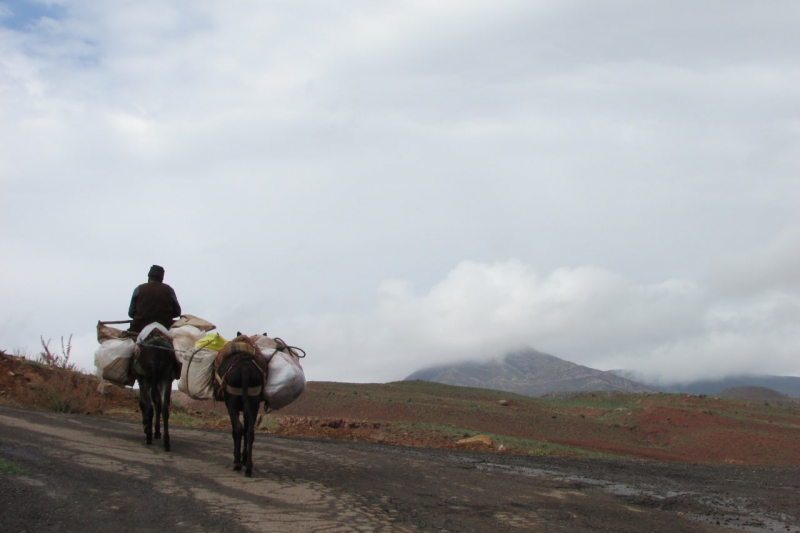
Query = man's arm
x=176 y=307
x=132 y=308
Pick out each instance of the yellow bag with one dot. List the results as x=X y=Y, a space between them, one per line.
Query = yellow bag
x=212 y=341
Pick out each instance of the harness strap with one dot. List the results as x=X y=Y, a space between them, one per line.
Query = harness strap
x=291 y=350
x=251 y=391
x=238 y=391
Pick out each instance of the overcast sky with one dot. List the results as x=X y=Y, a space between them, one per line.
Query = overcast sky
x=392 y=185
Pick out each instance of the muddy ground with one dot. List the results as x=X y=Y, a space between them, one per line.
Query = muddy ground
x=82 y=473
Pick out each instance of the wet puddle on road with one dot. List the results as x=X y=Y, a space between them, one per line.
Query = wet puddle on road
x=739 y=513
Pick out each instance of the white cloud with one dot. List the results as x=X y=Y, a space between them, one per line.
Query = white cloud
x=672 y=331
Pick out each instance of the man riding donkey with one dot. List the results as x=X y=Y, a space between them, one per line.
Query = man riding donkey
x=154 y=363
x=154 y=301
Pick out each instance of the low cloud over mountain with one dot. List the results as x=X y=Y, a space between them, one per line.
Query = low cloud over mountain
x=528 y=372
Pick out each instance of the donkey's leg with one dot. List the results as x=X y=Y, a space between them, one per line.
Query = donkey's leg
x=236 y=429
x=243 y=422
x=166 y=392
x=155 y=395
x=251 y=404
x=146 y=407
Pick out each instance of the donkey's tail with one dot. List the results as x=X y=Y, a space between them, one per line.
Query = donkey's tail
x=156 y=394
x=245 y=379
x=246 y=414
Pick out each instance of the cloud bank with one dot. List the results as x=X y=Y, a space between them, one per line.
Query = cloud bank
x=741 y=318
x=396 y=183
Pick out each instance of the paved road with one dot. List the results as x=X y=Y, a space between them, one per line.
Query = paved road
x=87 y=474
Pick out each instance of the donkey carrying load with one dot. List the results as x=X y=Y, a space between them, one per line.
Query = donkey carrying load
x=151 y=360
x=244 y=377
x=154 y=365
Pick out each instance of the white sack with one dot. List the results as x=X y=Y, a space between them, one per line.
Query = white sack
x=285 y=380
x=149 y=328
x=197 y=374
x=112 y=360
x=184 y=337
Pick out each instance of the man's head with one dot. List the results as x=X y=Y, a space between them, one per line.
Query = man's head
x=156 y=273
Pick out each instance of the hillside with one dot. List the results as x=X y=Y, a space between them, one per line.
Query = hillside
x=647 y=426
x=528 y=372
x=426 y=414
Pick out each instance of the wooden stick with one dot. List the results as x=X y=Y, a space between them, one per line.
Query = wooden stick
x=115 y=322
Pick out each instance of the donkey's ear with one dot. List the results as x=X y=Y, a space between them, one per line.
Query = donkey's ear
x=265 y=334
x=238 y=333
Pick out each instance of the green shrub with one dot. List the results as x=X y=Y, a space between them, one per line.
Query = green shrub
x=8 y=468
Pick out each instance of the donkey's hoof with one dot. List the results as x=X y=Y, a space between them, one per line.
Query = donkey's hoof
x=248 y=473
x=166 y=447
x=157 y=435
x=237 y=466
x=149 y=441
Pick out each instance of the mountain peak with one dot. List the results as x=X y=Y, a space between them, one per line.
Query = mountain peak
x=527 y=372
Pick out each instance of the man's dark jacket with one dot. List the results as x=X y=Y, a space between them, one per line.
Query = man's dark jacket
x=153 y=302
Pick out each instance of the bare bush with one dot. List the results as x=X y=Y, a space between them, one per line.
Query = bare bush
x=50 y=358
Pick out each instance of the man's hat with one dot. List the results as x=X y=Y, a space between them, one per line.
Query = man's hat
x=156 y=272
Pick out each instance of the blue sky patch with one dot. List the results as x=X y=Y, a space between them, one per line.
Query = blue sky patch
x=20 y=15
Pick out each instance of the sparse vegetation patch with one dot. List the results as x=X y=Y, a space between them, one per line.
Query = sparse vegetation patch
x=7 y=467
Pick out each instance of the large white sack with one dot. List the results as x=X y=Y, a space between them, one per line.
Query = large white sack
x=197 y=374
x=112 y=360
x=149 y=329
x=184 y=337
x=285 y=380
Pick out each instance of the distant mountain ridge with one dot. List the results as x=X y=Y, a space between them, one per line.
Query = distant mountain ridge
x=758 y=394
x=528 y=372
x=788 y=385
